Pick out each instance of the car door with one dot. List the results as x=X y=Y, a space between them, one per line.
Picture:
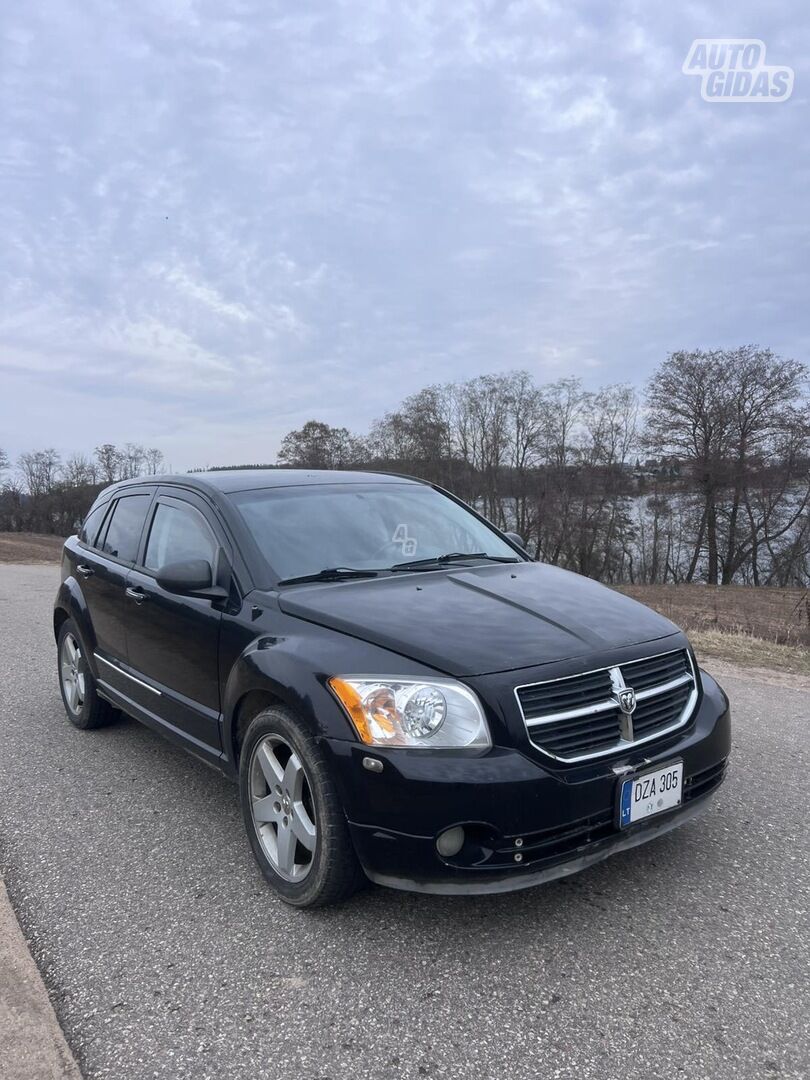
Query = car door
x=173 y=641
x=102 y=568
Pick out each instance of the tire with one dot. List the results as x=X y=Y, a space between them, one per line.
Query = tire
x=84 y=708
x=293 y=816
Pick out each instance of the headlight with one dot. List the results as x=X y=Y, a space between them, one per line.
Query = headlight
x=439 y=714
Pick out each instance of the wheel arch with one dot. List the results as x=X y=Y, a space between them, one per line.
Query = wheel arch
x=247 y=707
x=60 y=616
x=282 y=671
x=70 y=604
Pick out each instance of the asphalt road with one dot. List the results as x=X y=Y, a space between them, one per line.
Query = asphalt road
x=166 y=956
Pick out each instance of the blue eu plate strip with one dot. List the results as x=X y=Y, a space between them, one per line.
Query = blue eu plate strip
x=627 y=789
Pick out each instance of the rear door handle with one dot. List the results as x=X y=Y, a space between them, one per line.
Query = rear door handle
x=85 y=571
x=137 y=594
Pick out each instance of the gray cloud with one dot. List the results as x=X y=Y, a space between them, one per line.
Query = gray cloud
x=220 y=219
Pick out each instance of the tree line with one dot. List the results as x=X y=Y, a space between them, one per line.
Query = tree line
x=45 y=494
x=701 y=476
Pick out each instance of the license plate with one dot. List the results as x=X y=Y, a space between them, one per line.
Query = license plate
x=651 y=793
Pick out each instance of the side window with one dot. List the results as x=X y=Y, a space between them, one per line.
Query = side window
x=178 y=533
x=92 y=523
x=124 y=530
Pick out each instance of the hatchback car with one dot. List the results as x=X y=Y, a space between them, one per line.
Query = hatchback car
x=400 y=692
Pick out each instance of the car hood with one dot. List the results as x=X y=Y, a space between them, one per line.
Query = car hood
x=480 y=620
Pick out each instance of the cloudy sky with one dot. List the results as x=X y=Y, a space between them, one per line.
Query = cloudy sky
x=219 y=218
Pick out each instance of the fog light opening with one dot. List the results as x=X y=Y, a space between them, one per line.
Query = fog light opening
x=450 y=842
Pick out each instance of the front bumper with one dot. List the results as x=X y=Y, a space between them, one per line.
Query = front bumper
x=527 y=821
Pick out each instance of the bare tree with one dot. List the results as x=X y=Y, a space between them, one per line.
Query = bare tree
x=724 y=413
x=563 y=403
x=688 y=416
x=109 y=461
x=132 y=460
x=608 y=421
x=39 y=470
x=153 y=461
x=526 y=420
x=766 y=426
x=417 y=435
x=79 y=470
x=483 y=424
x=611 y=425
x=318 y=446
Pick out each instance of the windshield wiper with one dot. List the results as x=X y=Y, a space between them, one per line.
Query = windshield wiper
x=346 y=573
x=331 y=573
x=453 y=556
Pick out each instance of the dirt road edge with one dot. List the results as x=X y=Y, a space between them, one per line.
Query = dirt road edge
x=32 y=1046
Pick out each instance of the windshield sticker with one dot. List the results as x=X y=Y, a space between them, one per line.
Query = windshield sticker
x=408 y=543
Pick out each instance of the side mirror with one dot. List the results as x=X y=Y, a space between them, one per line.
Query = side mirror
x=193 y=577
x=516 y=538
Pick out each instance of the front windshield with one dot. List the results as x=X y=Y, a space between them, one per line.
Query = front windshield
x=302 y=530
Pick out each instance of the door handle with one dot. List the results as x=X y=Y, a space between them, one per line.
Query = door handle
x=85 y=571
x=137 y=594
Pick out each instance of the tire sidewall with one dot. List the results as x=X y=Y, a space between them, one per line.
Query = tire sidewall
x=82 y=718
x=328 y=812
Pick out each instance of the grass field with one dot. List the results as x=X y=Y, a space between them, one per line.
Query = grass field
x=29 y=548
x=751 y=652
x=764 y=627
x=778 y=615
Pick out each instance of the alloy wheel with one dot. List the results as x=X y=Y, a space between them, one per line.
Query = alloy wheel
x=73 y=677
x=282 y=808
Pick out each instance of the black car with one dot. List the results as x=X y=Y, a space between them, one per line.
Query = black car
x=402 y=694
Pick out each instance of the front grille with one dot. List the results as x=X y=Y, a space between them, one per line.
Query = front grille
x=580 y=717
x=642 y=674
x=565 y=694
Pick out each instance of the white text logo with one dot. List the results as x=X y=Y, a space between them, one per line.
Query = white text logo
x=734 y=70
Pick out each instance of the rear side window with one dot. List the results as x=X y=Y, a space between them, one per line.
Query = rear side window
x=124 y=530
x=92 y=523
x=178 y=533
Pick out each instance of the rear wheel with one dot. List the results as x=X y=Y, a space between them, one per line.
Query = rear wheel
x=85 y=709
x=293 y=817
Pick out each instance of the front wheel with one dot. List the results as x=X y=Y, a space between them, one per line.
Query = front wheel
x=293 y=816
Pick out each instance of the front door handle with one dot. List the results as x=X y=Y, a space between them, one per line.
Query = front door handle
x=85 y=571
x=137 y=594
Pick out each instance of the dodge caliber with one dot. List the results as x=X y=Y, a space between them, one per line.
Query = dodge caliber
x=401 y=693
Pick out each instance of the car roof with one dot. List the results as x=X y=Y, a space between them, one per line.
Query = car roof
x=232 y=480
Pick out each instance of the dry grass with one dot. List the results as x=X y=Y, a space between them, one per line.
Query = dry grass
x=764 y=628
x=30 y=548
x=745 y=650
x=781 y=616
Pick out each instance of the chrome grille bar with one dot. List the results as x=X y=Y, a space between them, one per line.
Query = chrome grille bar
x=565 y=726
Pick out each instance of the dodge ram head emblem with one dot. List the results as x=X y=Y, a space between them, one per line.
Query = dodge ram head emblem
x=625 y=698
x=627 y=701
